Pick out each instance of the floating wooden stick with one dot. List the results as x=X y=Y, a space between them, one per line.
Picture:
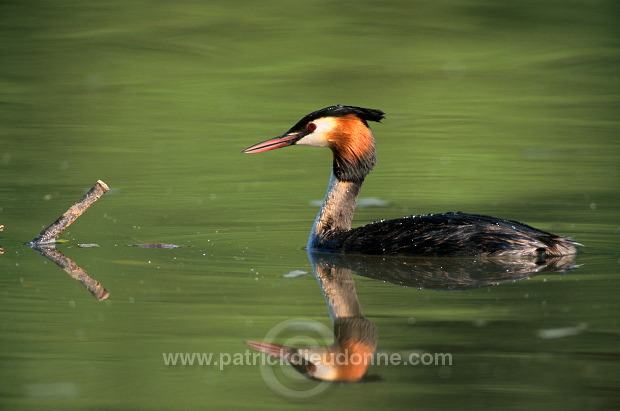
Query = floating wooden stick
x=48 y=236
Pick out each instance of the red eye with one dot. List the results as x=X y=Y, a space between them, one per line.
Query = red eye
x=311 y=127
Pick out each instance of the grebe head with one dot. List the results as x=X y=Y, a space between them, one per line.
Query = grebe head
x=343 y=129
x=333 y=363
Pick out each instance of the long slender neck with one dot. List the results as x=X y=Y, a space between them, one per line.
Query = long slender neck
x=338 y=287
x=336 y=213
x=353 y=147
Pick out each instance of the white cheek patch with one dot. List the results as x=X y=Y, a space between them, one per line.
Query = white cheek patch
x=318 y=138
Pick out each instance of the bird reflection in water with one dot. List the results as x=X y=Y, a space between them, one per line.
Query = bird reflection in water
x=355 y=338
x=349 y=357
x=446 y=273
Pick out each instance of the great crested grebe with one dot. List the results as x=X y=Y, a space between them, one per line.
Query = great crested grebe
x=344 y=129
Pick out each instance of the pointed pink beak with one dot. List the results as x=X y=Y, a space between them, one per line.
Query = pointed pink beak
x=291 y=355
x=274 y=350
x=284 y=140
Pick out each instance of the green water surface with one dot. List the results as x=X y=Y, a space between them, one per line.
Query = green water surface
x=502 y=108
